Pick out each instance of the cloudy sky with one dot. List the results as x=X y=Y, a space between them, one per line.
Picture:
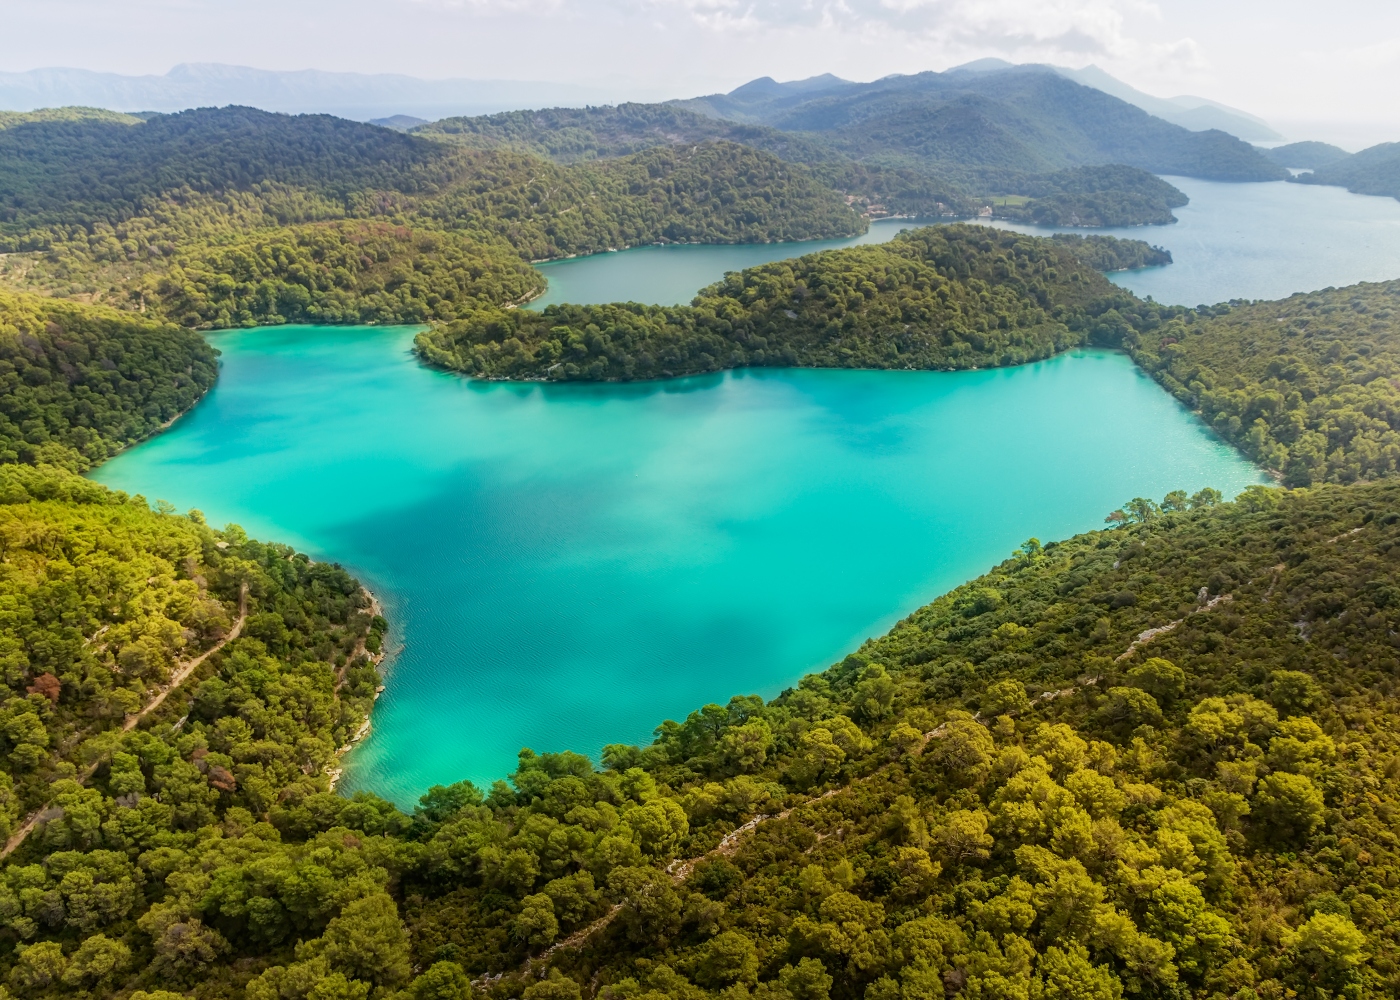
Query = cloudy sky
x=1302 y=65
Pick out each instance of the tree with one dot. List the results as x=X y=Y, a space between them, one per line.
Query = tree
x=1327 y=954
x=1293 y=692
x=727 y=958
x=536 y=924
x=1067 y=974
x=442 y=981
x=874 y=693
x=650 y=907
x=367 y=941
x=557 y=987
x=1162 y=679
x=1005 y=697
x=97 y=960
x=808 y=980
x=1287 y=806
x=38 y=967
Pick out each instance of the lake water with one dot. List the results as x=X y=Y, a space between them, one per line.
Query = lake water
x=564 y=566
x=671 y=274
x=1251 y=241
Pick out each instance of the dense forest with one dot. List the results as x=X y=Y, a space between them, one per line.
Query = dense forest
x=1156 y=761
x=195 y=208
x=1108 y=253
x=942 y=297
x=78 y=383
x=1305 y=386
x=338 y=273
x=953 y=176
x=167 y=687
x=1149 y=761
x=1094 y=196
x=1372 y=171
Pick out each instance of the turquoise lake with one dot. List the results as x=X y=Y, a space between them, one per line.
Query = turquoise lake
x=565 y=566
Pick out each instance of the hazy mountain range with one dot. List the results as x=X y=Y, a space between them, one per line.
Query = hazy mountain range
x=359 y=96
x=366 y=96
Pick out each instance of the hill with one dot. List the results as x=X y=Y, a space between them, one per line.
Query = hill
x=1306 y=155
x=110 y=211
x=1022 y=118
x=573 y=135
x=1140 y=761
x=939 y=181
x=1094 y=196
x=1150 y=761
x=1199 y=114
x=943 y=297
x=1372 y=171
x=78 y=384
x=1306 y=386
x=66 y=114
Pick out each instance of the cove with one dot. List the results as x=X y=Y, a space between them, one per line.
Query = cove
x=564 y=566
x=1250 y=241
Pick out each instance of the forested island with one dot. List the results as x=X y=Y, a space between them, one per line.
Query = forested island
x=942 y=297
x=1152 y=761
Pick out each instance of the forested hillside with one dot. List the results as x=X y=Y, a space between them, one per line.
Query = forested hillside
x=1093 y=197
x=11 y=118
x=131 y=215
x=1142 y=762
x=1306 y=155
x=117 y=785
x=1108 y=253
x=338 y=273
x=1306 y=386
x=78 y=384
x=1372 y=171
x=943 y=297
x=1023 y=118
x=925 y=160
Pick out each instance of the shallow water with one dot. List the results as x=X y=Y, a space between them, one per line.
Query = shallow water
x=566 y=565
x=1251 y=241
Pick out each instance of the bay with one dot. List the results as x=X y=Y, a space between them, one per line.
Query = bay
x=564 y=566
x=1233 y=241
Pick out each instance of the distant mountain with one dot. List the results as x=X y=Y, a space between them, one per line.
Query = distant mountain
x=400 y=123
x=360 y=96
x=1199 y=114
x=1371 y=171
x=1306 y=155
x=988 y=116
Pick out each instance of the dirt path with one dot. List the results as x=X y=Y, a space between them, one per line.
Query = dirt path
x=679 y=870
x=182 y=673
x=177 y=678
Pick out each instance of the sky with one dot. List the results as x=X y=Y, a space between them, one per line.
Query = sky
x=1307 y=68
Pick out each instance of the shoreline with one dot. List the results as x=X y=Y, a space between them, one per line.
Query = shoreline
x=336 y=770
